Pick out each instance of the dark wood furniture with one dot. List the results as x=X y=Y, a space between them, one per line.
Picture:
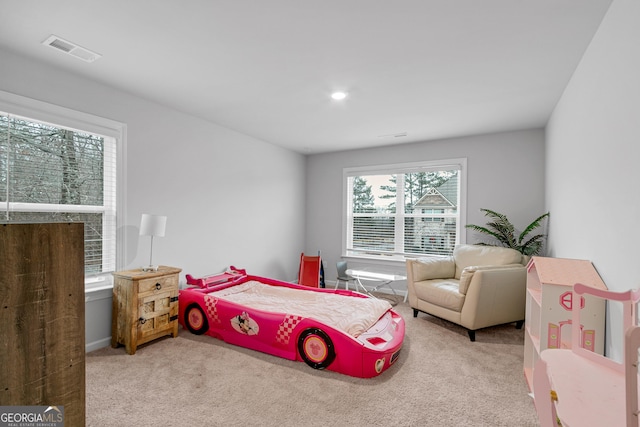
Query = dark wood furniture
x=42 y=353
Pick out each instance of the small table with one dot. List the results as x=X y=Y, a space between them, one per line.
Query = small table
x=385 y=278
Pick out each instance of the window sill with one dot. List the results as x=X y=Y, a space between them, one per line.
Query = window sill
x=392 y=262
x=98 y=287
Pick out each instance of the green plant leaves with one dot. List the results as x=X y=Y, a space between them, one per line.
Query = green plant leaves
x=503 y=232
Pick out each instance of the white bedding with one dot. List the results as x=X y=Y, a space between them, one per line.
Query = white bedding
x=348 y=314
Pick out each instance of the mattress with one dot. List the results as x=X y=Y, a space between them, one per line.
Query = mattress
x=351 y=315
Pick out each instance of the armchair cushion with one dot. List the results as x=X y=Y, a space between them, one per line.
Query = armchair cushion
x=443 y=293
x=465 y=278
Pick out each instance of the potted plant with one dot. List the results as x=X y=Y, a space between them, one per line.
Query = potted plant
x=502 y=233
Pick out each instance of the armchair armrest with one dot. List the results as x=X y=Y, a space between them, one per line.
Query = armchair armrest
x=430 y=268
x=467 y=274
x=495 y=296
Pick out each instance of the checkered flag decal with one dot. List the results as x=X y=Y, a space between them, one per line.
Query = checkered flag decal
x=212 y=311
x=286 y=328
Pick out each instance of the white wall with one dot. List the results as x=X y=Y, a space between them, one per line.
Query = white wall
x=505 y=173
x=229 y=198
x=593 y=149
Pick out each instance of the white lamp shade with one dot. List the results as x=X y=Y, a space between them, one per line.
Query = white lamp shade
x=153 y=225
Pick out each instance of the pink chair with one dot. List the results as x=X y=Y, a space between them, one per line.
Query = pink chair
x=577 y=387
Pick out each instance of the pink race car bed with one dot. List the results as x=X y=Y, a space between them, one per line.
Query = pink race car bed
x=339 y=330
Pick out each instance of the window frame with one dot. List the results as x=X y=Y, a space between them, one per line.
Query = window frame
x=64 y=117
x=396 y=168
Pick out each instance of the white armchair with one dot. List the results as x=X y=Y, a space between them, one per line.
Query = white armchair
x=477 y=287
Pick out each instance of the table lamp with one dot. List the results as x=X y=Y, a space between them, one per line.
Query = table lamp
x=152 y=225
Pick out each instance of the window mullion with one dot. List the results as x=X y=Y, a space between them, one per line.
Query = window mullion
x=7 y=167
x=399 y=222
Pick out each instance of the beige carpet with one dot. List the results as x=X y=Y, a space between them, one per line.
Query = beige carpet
x=440 y=379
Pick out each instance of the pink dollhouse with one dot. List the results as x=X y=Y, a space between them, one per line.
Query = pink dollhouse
x=578 y=387
x=549 y=304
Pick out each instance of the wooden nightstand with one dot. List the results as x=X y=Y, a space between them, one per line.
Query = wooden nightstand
x=145 y=306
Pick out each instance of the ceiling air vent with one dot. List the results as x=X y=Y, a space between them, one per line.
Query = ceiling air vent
x=71 y=49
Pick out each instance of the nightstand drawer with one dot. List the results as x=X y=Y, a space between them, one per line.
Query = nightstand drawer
x=158 y=284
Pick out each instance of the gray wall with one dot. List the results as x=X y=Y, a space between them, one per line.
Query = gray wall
x=505 y=172
x=229 y=198
x=593 y=148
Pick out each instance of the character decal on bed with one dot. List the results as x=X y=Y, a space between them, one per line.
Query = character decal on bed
x=244 y=324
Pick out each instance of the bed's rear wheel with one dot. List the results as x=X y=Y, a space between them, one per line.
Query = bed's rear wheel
x=316 y=348
x=195 y=320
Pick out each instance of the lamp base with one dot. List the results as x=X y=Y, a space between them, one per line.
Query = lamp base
x=150 y=268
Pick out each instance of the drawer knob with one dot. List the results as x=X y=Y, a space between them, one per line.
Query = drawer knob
x=158 y=286
x=142 y=320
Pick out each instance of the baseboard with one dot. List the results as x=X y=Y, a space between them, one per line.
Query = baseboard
x=95 y=345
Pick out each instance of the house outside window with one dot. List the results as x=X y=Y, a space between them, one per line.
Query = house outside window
x=52 y=172
x=409 y=210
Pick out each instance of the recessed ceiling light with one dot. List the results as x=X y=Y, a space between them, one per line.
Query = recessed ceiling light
x=338 y=95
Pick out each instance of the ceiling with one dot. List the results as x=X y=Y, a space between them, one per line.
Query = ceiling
x=414 y=70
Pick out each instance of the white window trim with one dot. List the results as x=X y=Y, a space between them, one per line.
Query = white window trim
x=400 y=168
x=65 y=117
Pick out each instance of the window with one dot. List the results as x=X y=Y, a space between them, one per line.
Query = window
x=57 y=172
x=408 y=210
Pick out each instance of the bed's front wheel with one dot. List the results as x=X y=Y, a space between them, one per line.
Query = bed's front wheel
x=195 y=320
x=316 y=348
